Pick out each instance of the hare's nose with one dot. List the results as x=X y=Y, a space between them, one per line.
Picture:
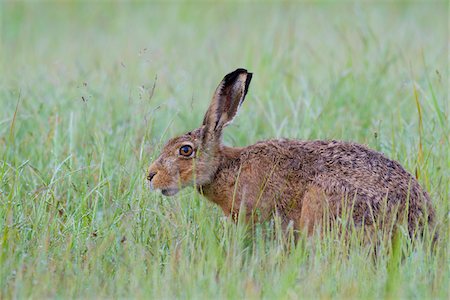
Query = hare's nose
x=151 y=175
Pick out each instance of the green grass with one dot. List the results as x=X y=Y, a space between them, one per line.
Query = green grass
x=89 y=94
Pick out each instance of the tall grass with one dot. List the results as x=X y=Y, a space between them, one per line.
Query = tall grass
x=90 y=92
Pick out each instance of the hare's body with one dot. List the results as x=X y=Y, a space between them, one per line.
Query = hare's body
x=299 y=181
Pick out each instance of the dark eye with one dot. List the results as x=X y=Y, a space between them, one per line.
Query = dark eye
x=186 y=150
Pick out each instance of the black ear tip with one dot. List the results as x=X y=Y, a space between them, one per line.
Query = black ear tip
x=247 y=82
x=231 y=77
x=240 y=70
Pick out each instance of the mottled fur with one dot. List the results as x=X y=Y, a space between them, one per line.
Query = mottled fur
x=300 y=181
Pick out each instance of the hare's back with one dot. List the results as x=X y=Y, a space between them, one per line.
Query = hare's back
x=342 y=169
x=354 y=168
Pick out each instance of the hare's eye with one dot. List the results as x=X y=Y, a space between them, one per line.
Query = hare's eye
x=186 y=150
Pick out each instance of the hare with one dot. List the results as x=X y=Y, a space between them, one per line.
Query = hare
x=303 y=182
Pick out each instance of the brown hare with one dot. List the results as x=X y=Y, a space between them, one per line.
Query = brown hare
x=299 y=181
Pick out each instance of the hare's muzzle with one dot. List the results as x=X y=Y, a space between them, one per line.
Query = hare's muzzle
x=169 y=192
x=150 y=176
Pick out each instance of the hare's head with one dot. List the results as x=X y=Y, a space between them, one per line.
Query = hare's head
x=194 y=157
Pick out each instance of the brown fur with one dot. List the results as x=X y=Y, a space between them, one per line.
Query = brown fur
x=297 y=180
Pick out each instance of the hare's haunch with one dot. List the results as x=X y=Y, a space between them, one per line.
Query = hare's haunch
x=297 y=180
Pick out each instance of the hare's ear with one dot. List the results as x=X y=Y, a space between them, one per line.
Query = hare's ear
x=225 y=103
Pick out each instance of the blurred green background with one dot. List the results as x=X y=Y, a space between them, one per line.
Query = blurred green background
x=89 y=93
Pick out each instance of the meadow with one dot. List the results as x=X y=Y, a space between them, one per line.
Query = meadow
x=89 y=93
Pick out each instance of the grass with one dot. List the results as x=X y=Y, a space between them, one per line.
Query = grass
x=90 y=92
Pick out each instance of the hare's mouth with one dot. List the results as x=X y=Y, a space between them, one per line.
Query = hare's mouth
x=169 y=192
